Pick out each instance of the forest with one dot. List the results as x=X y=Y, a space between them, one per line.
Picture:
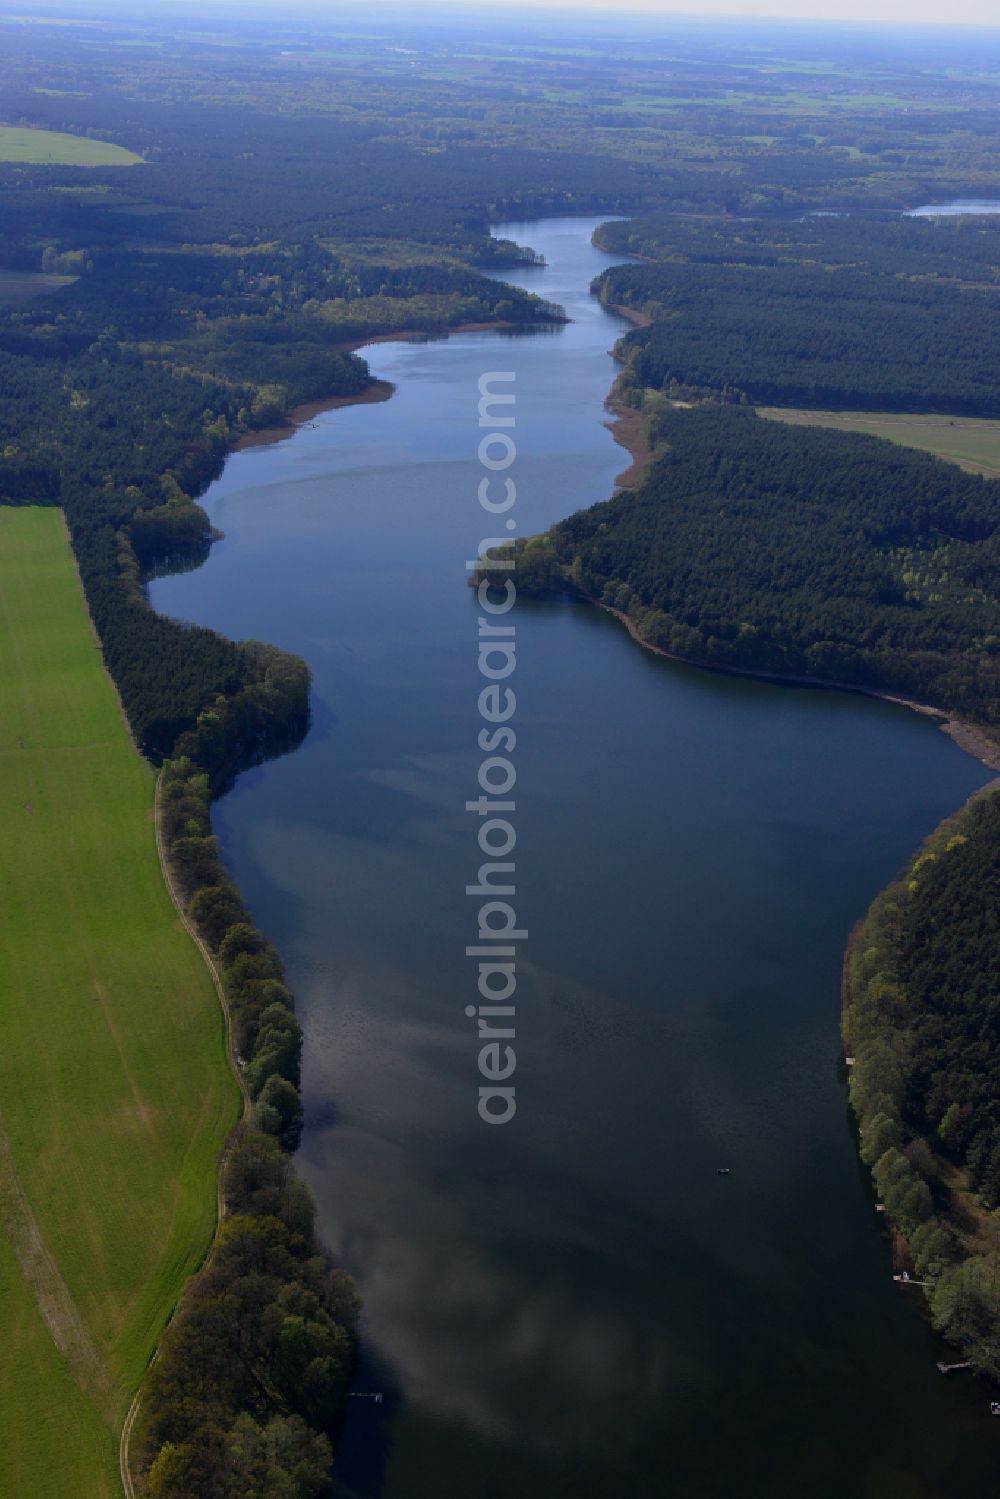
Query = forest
x=252 y=1369
x=838 y=312
x=802 y=552
x=921 y=1021
x=961 y=249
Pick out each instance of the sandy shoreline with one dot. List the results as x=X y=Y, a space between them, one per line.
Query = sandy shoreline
x=627 y=427
x=300 y=416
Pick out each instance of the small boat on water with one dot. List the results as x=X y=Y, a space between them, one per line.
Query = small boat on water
x=724 y=1170
x=995 y=1407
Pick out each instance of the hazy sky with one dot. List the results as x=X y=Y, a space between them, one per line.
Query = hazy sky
x=956 y=12
x=916 y=13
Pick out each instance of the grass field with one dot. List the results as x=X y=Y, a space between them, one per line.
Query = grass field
x=115 y=1093
x=52 y=147
x=20 y=286
x=972 y=443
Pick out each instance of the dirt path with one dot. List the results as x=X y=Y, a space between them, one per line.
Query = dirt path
x=124 y=1471
x=630 y=314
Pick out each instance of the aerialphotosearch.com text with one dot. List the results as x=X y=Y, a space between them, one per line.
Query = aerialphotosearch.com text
x=497 y=932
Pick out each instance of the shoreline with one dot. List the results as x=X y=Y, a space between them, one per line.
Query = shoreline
x=246 y=1104
x=957 y=1206
x=300 y=416
x=375 y=391
x=628 y=430
x=626 y=426
x=968 y=736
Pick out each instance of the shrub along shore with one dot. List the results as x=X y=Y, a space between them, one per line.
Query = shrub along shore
x=248 y=1384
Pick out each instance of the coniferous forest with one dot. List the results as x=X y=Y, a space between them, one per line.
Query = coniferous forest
x=831 y=555
x=923 y=972
x=872 y=313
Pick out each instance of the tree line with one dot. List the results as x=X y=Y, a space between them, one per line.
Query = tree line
x=922 y=1023
x=247 y=1388
x=244 y=1394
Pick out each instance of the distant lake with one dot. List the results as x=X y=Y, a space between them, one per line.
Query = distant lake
x=951 y=210
x=575 y=1305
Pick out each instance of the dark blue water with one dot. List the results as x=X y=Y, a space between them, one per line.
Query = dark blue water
x=574 y=1305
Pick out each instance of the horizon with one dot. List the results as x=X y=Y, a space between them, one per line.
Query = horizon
x=920 y=16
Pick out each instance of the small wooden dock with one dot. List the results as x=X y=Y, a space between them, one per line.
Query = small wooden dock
x=952 y=1368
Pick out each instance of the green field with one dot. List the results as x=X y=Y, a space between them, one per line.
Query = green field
x=115 y=1093
x=52 y=147
x=972 y=443
x=20 y=286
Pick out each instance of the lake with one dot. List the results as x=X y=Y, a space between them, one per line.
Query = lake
x=575 y=1305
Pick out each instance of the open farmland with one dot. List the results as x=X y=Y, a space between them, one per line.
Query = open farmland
x=115 y=1093
x=972 y=443
x=56 y=148
x=21 y=286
